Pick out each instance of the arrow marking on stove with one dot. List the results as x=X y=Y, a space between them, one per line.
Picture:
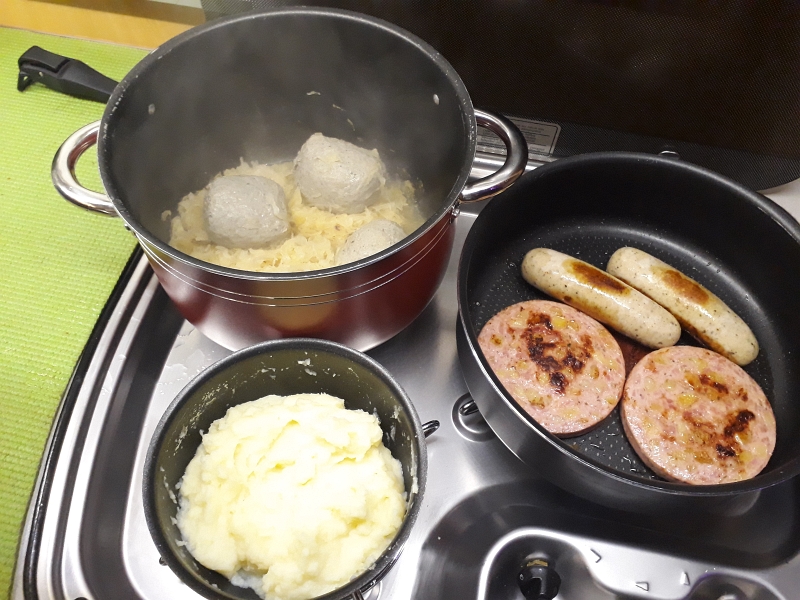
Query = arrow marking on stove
x=597 y=557
x=643 y=585
x=685 y=578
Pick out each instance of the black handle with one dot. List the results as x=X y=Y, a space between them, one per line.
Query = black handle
x=538 y=580
x=65 y=75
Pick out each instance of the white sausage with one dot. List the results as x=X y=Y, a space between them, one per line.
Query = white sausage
x=601 y=296
x=700 y=312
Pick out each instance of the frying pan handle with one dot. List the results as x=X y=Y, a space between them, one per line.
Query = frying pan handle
x=516 y=158
x=63 y=172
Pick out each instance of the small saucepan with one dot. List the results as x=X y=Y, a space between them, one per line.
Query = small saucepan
x=739 y=244
x=254 y=87
x=280 y=367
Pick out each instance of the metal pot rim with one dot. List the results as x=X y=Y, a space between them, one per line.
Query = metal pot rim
x=448 y=204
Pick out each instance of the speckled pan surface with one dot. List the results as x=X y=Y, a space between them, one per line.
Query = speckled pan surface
x=737 y=243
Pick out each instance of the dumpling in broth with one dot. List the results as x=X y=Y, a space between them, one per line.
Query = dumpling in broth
x=370 y=239
x=337 y=175
x=245 y=211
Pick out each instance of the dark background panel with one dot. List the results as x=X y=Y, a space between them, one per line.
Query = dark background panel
x=715 y=81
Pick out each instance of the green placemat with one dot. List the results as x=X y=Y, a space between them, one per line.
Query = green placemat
x=58 y=264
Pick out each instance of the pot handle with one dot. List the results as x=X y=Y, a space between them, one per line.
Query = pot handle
x=516 y=158
x=65 y=75
x=63 y=172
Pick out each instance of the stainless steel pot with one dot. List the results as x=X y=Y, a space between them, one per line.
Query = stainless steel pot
x=254 y=87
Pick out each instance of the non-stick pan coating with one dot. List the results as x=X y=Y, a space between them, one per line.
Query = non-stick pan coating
x=737 y=243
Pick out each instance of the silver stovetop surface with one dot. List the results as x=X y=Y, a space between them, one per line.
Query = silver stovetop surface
x=484 y=511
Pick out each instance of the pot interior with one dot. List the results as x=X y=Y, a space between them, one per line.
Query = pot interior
x=255 y=87
x=282 y=368
x=740 y=245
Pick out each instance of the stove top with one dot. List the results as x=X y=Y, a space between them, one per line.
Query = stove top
x=484 y=514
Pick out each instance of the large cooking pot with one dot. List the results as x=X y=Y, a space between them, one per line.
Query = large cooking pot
x=255 y=87
x=738 y=243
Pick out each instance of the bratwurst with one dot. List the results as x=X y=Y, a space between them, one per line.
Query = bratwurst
x=701 y=313
x=600 y=296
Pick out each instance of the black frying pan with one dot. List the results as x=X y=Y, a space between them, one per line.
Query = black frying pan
x=739 y=244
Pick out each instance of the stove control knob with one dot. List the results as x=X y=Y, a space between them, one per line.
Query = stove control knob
x=538 y=580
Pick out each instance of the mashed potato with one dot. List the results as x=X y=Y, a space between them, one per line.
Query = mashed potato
x=292 y=496
x=316 y=233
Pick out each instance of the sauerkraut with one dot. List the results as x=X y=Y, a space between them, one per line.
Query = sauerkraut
x=316 y=233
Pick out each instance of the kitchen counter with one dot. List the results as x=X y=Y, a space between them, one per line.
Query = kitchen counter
x=788 y=196
x=59 y=264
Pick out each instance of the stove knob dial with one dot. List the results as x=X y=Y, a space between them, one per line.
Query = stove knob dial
x=538 y=580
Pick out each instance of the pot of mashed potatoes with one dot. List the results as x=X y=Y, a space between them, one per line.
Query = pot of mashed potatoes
x=287 y=471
